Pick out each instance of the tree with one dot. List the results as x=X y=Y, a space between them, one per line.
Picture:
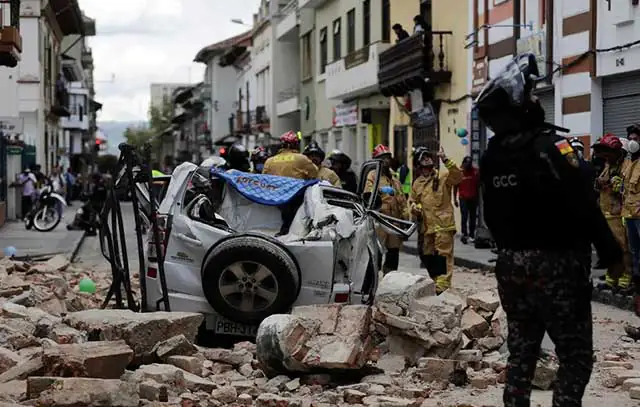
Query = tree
x=159 y=120
x=137 y=136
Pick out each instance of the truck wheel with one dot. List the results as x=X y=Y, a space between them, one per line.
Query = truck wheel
x=247 y=278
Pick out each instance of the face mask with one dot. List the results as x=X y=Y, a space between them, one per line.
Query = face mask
x=634 y=146
x=259 y=167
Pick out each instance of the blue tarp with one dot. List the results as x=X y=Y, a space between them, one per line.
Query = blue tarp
x=269 y=190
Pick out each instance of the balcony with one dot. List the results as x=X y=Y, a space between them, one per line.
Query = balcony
x=262 y=121
x=87 y=59
x=60 y=103
x=288 y=101
x=77 y=120
x=10 y=47
x=71 y=69
x=310 y=3
x=287 y=28
x=411 y=63
x=356 y=74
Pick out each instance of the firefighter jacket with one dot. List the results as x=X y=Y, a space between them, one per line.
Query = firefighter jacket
x=290 y=163
x=611 y=191
x=327 y=174
x=393 y=204
x=631 y=190
x=431 y=195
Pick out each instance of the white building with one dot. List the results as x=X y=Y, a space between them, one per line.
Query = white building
x=220 y=78
x=159 y=92
x=286 y=78
x=42 y=94
x=276 y=65
x=350 y=113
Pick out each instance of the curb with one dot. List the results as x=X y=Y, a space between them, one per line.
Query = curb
x=77 y=248
x=616 y=300
x=458 y=261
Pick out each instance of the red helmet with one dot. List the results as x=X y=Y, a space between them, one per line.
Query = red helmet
x=381 y=150
x=610 y=141
x=289 y=137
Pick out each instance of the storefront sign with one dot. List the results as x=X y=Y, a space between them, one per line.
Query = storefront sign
x=11 y=125
x=480 y=74
x=345 y=115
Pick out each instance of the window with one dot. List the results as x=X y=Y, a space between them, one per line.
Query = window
x=324 y=141
x=324 y=50
x=386 y=21
x=351 y=31
x=337 y=50
x=306 y=56
x=366 y=22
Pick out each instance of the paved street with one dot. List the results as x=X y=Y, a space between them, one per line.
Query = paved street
x=90 y=255
x=32 y=242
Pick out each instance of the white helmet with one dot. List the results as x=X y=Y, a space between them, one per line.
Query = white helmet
x=625 y=144
x=633 y=147
x=214 y=162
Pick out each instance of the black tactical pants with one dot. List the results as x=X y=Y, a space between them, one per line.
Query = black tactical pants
x=544 y=291
x=288 y=213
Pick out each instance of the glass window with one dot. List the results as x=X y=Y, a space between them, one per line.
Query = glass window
x=324 y=50
x=337 y=40
x=351 y=31
x=324 y=141
x=366 y=22
x=338 y=137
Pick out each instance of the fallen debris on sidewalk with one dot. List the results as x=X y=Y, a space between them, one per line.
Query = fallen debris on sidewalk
x=408 y=349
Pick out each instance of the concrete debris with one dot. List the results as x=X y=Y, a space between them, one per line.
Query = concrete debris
x=57 y=348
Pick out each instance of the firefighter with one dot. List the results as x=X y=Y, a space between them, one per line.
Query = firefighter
x=237 y=158
x=609 y=185
x=288 y=162
x=317 y=155
x=393 y=204
x=631 y=214
x=431 y=195
x=258 y=157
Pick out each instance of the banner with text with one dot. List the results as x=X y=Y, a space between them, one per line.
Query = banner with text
x=345 y=115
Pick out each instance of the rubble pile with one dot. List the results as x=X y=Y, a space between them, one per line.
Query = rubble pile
x=57 y=349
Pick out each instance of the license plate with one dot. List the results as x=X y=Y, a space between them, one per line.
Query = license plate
x=225 y=327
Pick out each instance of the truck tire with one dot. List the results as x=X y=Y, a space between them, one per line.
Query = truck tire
x=248 y=278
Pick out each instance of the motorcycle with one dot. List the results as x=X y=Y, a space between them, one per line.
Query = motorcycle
x=45 y=216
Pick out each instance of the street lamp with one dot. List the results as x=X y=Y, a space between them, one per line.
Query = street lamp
x=239 y=21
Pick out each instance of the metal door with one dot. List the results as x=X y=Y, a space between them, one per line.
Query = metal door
x=426 y=136
x=620 y=102
x=3 y=168
x=548 y=103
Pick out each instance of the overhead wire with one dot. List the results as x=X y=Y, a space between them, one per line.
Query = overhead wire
x=559 y=67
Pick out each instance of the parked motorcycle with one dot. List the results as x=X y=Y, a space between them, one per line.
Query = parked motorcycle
x=45 y=216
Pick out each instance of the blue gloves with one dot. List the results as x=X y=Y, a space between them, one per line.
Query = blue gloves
x=387 y=190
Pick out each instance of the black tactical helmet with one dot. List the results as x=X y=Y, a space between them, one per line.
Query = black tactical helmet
x=259 y=155
x=238 y=157
x=418 y=153
x=313 y=148
x=505 y=103
x=339 y=157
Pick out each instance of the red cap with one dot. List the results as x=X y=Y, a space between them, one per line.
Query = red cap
x=381 y=150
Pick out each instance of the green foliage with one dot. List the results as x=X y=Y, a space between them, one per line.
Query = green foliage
x=106 y=163
x=159 y=119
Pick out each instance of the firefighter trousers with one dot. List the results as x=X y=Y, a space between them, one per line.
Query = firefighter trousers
x=620 y=232
x=441 y=244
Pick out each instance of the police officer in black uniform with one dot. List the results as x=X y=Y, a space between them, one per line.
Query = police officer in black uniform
x=544 y=219
x=237 y=157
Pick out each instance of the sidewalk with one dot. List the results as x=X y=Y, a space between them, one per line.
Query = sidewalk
x=32 y=242
x=465 y=255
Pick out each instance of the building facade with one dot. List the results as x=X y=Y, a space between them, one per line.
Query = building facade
x=161 y=92
x=350 y=113
x=286 y=76
x=220 y=81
